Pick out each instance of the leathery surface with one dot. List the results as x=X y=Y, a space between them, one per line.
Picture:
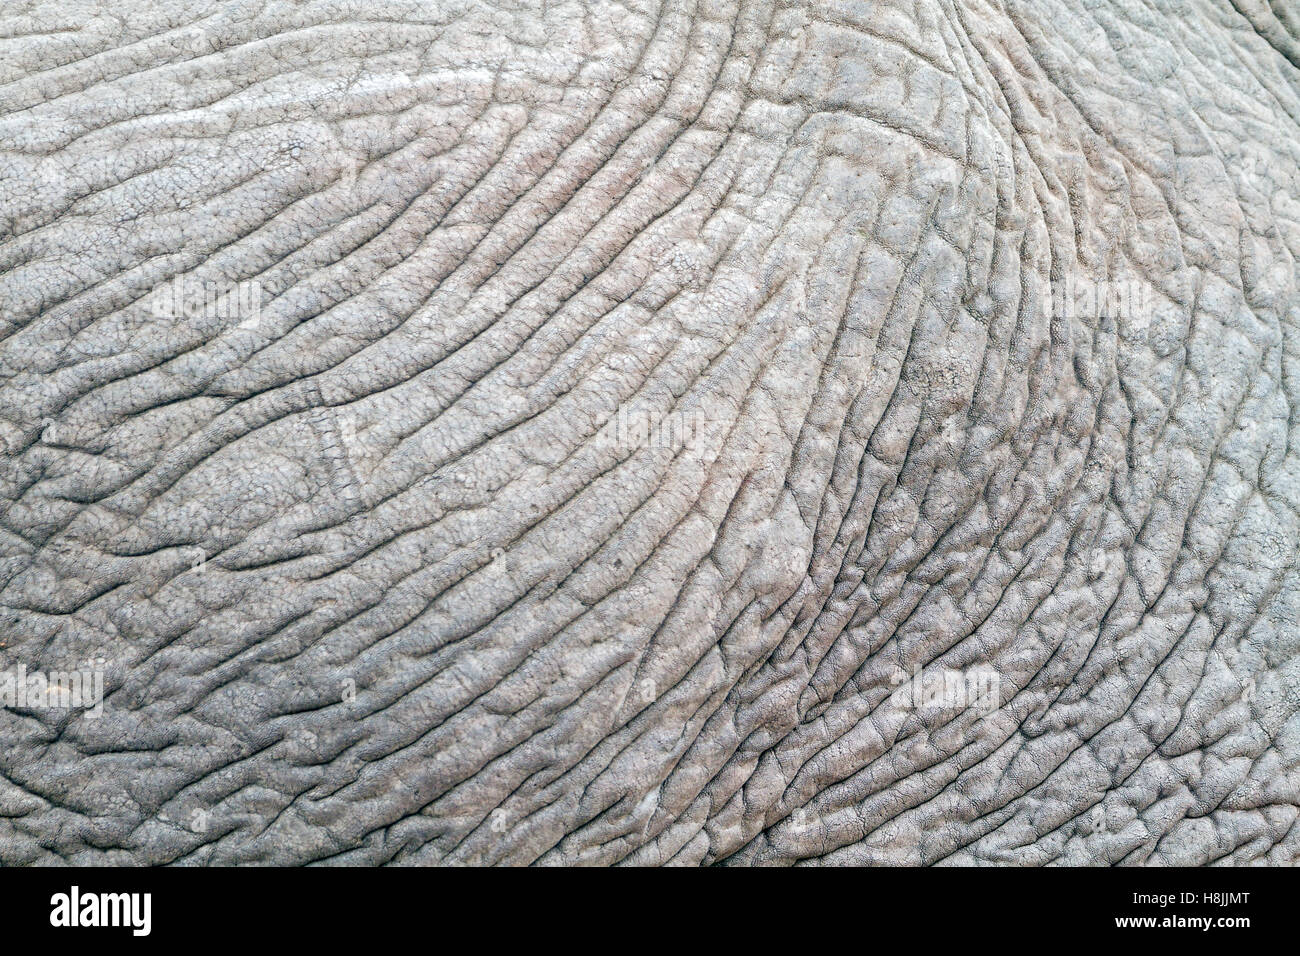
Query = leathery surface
x=619 y=411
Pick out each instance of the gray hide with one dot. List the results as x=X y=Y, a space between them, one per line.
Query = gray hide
x=620 y=431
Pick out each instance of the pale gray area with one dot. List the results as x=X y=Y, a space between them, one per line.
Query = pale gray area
x=578 y=418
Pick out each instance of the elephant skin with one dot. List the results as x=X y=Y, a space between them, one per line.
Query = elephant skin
x=650 y=432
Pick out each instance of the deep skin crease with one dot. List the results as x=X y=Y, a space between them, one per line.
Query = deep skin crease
x=652 y=432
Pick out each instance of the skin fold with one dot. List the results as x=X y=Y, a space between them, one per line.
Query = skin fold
x=650 y=432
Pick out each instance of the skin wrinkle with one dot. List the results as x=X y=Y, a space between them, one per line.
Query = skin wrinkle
x=639 y=401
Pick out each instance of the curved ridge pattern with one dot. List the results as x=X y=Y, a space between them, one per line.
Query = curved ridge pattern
x=591 y=412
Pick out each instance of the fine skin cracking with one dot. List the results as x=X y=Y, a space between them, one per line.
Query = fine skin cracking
x=649 y=432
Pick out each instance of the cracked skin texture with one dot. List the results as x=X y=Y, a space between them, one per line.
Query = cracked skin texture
x=449 y=614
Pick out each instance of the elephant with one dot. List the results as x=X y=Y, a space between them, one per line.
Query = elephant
x=650 y=432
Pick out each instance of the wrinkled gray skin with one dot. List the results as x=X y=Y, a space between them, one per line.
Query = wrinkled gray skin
x=407 y=558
